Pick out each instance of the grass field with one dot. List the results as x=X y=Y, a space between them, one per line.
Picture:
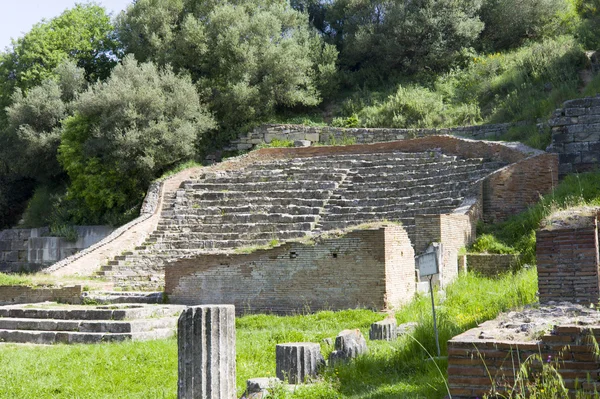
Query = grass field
x=390 y=370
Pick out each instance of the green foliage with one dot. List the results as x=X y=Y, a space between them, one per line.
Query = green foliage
x=487 y=243
x=83 y=34
x=248 y=58
x=589 y=30
x=14 y=279
x=401 y=37
x=276 y=143
x=34 y=123
x=509 y=22
x=518 y=232
x=126 y=132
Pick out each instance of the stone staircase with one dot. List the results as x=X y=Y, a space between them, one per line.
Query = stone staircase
x=277 y=200
x=51 y=323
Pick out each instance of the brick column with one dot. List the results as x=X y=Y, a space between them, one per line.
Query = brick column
x=567 y=262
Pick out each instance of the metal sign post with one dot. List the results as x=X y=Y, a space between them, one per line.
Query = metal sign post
x=428 y=265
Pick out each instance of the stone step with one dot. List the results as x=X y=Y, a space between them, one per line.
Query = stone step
x=451 y=190
x=124 y=312
x=414 y=179
x=390 y=215
x=88 y=326
x=242 y=201
x=263 y=186
x=250 y=235
x=407 y=206
x=251 y=208
x=232 y=194
x=69 y=337
x=278 y=175
x=245 y=218
x=194 y=227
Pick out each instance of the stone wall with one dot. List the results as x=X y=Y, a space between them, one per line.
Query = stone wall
x=31 y=249
x=476 y=363
x=15 y=294
x=491 y=265
x=364 y=268
x=576 y=135
x=567 y=257
x=337 y=135
x=454 y=231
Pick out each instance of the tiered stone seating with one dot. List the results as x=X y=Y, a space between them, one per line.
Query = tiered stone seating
x=52 y=323
x=285 y=199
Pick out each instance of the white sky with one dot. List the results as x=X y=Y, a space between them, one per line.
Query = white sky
x=18 y=16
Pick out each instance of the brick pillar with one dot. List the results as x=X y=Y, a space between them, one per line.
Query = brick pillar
x=206 y=346
x=567 y=263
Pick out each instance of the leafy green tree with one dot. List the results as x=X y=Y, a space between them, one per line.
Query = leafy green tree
x=248 y=58
x=83 y=34
x=402 y=37
x=509 y=22
x=126 y=132
x=34 y=122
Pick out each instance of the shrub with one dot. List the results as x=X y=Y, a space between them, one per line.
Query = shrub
x=126 y=132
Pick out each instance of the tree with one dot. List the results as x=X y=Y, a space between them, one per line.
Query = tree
x=83 y=34
x=126 y=132
x=509 y=22
x=34 y=122
x=399 y=37
x=248 y=58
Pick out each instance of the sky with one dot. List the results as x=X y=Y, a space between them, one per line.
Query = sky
x=18 y=16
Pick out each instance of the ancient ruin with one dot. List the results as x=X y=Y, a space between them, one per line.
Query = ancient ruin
x=563 y=332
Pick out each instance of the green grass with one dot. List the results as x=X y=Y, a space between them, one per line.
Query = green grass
x=14 y=279
x=390 y=370
x=517 y=234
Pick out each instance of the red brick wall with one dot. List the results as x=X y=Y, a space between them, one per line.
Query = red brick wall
x=475 y=365
x=567 y=264
x=15 y=294
x=511 y=189
x=454 y=231
x=367 y=268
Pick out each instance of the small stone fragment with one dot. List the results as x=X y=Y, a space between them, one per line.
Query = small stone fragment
x=384 y=330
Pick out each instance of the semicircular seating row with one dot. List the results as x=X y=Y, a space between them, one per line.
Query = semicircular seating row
x=293 y=198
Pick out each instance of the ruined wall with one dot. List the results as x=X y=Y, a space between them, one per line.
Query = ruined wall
x=475 y=363
x=15 y=294
x=332 y=135
x=454 y=231
x=510 y=190
x=491 y=265
x=31 y=249
x=576 y=135
x=366 y=268
x=567 y=259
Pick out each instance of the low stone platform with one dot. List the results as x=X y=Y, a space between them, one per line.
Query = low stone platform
x=490 y=356
x=53 y=323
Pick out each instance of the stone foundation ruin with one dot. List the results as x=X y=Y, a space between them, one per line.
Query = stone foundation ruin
x=563 y=331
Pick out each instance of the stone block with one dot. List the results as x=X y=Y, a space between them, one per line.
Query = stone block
x=298 y=361
x=257 y=388
x=348 y=344
x=314 y=137
x=206 y=352
x=384 y=330
x=302 y=143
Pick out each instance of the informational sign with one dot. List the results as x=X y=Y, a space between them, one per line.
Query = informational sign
x=428 y=264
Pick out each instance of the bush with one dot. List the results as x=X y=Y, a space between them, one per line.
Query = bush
x=125 y=133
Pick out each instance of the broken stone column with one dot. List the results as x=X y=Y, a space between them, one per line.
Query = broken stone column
x=206 y=347
x=348 y=344
x=384 y=330
x=297 y=361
